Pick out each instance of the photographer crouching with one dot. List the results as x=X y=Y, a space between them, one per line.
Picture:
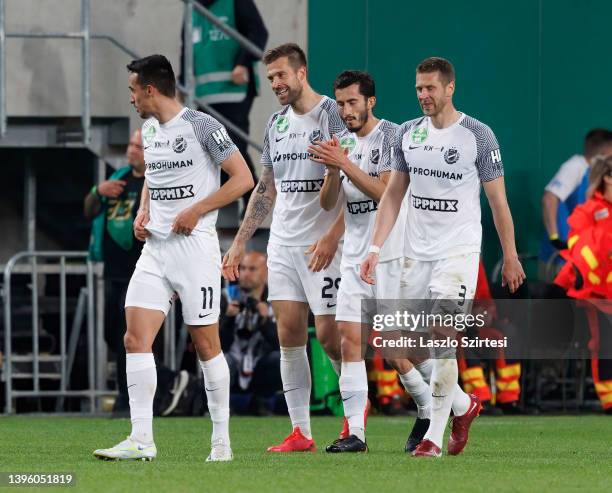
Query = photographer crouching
x=249 y=337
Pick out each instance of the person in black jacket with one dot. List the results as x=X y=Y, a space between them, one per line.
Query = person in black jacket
x=248 y=333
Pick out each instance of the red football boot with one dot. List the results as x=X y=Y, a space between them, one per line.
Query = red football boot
x=345 y=427
x=461 y=426
x=295 y=442
x=427 y=449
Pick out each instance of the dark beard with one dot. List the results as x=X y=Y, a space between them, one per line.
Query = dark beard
x=363 y=119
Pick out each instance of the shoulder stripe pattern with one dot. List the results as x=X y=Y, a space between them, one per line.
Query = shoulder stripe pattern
x=211 y=135
x=488 y=156
x=336 y=125
x=388 y=129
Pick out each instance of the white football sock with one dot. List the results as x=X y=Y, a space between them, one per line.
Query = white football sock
x=354 y=390
x=461 y=401
x=295 y=374
x=443 y=385
x=337 y=365
x=419 y=391
x=217 y=386
x=141 y=384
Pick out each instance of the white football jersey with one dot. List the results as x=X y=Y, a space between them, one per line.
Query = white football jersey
x=298 y=218
x=372 y=154
x=182 y=158
x=446 y=167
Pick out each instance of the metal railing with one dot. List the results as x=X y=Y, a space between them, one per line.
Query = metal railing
x=83 y=35
x=66 y=353
x=86 y=36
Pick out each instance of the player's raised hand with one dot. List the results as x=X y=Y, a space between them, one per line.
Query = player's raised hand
x=368 y=267
x=111 y=188
x=513 y=274
x=185 y=221
x=322 y=253
x=329 y=153
x=140 y=221
x=231 y=261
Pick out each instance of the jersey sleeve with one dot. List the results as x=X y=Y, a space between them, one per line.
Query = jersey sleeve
x=567 y=179
x=385 y=151
x=266 y=159
x=214 y=139
x=396 y=154
x=488 y=156
x=334 y=122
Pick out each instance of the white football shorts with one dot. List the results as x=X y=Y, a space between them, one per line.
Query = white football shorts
x=448 y=283
x=289 y=278
x=353 y=290
x=189 y=266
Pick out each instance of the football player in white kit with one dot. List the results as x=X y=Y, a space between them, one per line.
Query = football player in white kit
x=184 y=152
x=303 y=253
x=358 y=165
x=444 y=156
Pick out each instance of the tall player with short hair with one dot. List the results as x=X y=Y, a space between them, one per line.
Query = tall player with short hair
x=184 y=152
x=444 y=156
x=303 y=254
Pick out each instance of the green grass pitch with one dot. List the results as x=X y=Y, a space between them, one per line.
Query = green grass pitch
x=568 y=453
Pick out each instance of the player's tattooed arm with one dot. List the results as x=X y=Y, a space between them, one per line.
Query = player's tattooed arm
x=260 y=205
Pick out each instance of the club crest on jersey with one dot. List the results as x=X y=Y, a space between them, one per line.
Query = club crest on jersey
x=348 y=142
x=419 y=135
x=180 y=144
x=149 y=134
x=282 y=124
x=451 y=156
x=375 y=156
x=315 y=136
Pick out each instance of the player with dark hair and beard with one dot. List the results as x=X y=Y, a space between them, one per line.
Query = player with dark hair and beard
x=358 y=164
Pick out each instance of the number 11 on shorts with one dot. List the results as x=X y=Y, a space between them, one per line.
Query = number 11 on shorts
x=207 y=295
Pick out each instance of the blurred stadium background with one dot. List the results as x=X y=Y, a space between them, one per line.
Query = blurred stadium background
x=536 y=71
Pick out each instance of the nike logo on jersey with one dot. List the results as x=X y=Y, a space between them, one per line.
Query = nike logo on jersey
x=331 y=305
x=278 y=140
x=344 y=400
x=410 y=148
x=211 y=390
x=289 y=390
x=204 y=316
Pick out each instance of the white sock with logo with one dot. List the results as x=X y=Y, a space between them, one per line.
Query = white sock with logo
x=461 y=401
x=443 y=385
x=295 y=374
x=419 y=390
x=217 y=386
x=141 y=384
x=354 y=391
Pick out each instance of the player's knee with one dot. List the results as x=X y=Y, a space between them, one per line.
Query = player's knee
x=350 y=346
x=133 y=344
x=332 y=348
x=207 y=348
